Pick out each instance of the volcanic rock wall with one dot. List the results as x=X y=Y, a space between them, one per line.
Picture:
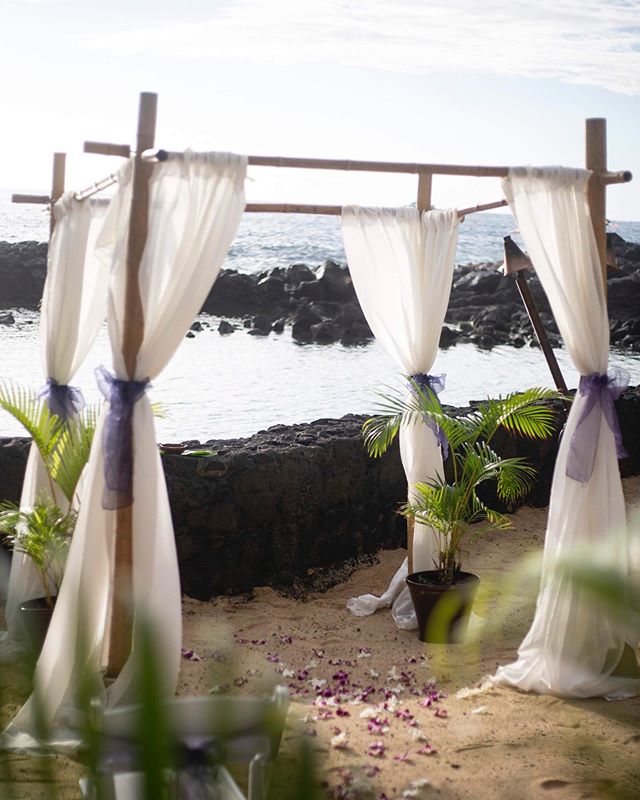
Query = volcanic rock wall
x=294 y=501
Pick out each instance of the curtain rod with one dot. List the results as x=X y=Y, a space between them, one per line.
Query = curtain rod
x=350 y=165
x=302 y=208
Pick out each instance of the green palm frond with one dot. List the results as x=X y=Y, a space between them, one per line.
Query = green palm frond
x=63 y=445
x=515 y=479
x=450 y=508
x=72 y=449
x=32 y=413
x=520 y=413
x=379 y=433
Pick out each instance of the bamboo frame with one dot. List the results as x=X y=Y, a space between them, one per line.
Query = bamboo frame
x=57 y=189
x=596 y=160
x=121 y=619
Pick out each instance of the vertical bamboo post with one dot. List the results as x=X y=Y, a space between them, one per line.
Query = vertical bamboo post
x=596 y=160
x=423 y=203
x=57 y=186
x=120 y=628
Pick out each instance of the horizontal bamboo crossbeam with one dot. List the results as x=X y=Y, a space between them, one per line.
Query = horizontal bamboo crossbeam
x=98 y=186
x=622 y=176
x=300 y=208
x=349 y=165
x=40 y=199
x=106 y=149
x=124 y=150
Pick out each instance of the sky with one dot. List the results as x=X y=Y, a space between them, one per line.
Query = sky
x=449 y=81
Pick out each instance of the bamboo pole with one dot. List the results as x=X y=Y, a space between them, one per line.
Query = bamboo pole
x=120 y=628
x=108 y=149
x=349 y=165
x=423 y=203
x=425 y=182
x=39 y=199
x=57 y=186
x=596 y=160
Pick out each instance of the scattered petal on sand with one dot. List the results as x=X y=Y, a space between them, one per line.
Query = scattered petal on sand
x=190 y=655
x=340 y=740
x=288 y=673
x=404 y=757
x=274 y=658
x=376 y=750
x=427 y=750
x=393 y=674
x=480 y=710
x=441 y=712
x=416 y=787
x=468 y=691
x=371 y=770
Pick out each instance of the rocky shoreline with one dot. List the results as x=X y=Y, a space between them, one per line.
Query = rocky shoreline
x=298 y=506
x=321 y=307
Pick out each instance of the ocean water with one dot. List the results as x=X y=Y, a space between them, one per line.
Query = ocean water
x=231 y=386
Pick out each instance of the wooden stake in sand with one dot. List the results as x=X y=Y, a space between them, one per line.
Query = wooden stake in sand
x=121 y=623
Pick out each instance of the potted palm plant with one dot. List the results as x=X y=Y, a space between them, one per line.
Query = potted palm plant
x=449 y=503
x=43 y=532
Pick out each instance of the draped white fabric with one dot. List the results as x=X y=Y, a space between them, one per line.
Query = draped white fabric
x=73 y=308
x=575 y=642
x=401 y=262
x=195 y=206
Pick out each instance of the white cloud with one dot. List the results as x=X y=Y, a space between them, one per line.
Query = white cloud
x=591 y=42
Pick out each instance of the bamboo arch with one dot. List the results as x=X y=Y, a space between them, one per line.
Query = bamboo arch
x=145 y=154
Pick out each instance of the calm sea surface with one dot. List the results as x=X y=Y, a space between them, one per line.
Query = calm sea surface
x=223 y=387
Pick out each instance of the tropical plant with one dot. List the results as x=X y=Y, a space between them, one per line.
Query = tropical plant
x=43 y=533
x=64 y=445
x=451 y=507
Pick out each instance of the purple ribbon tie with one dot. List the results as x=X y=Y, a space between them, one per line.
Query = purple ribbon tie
x=117 y=437
x=63 y=401
x=600 y=392
x=433 y=384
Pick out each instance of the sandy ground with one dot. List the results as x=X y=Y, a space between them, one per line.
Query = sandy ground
x=416 y=738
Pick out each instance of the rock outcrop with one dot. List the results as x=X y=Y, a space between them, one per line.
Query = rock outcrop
x=321 y=306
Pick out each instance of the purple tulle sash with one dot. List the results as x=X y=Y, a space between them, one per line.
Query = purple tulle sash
x=601 y=392
x=62 y=400
x=434 y=384
x=117 y=437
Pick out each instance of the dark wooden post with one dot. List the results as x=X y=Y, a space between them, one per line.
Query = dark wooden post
x=121 y=623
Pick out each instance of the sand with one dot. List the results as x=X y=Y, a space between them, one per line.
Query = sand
x=428 y=742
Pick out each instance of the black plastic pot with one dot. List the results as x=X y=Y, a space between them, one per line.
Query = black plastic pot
x=36 y=616
x=442 y=610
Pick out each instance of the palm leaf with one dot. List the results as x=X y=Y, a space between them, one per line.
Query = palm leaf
x=71 y=453
x=32 y=413
x=515 y=479
x=520 y=413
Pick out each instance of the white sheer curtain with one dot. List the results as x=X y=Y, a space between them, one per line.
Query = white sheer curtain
x=73 y=308
x=195 y=206
x=575 y=642
x=401 y=262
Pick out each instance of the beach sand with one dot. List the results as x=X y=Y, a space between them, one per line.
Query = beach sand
x=428 y=742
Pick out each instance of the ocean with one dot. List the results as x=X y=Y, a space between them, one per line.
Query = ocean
x=233 y=386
